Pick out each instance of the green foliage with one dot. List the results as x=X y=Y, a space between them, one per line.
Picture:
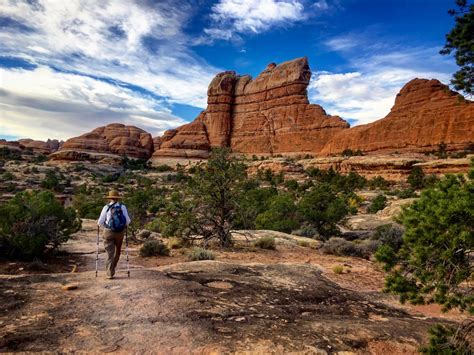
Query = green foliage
x=267 y=242
x=162 y=168
x=291 y=185
x=416 y=178
x=135 y=164
x=378 y=182
x=7 y=176
x=342 y=247
x=88 y=203
x=378 y=203
x=40 y=158
x=197 y=254
x=339 y=182
x=449 y=340
x=9 y=154
x=460 y=42
x=52 y=182
x=338 y=269
x=33 y=222
x=253 y=201
x=352 y=153
x=154 y=248
x=436 y=255
x=403 y=193
x=280 y=215
x=322 y=209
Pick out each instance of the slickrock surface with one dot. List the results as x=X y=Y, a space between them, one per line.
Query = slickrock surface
x=115 y=139
x=426 y=113
x=266 y=115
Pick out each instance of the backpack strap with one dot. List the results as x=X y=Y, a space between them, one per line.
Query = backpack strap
x=110 y=206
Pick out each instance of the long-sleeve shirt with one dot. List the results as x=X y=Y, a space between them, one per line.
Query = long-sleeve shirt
x=105 y=215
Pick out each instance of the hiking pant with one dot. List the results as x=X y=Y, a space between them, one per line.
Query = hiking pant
x=113 y=245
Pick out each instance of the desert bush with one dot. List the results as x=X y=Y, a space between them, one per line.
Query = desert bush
x=9 y=154
x=444 y=339
x=88 y=204
x=378 y=182
x=154 y=248
x=52 y=182
x=40 y=158
x=338 y=269
x=7 y=176
x=163 y=168
x=197 y=254
x=416 y=178
x=252 y=201
x=389 y=234
x=322 y=209
x=378 y=203
x=402 y=193
x=135 y=164
x=280 y=215
x=175 y=243
x=291 y=184
x=342 y=247
x=305 y=231
x=155 y=225
x=34 y=222
x=267 y=242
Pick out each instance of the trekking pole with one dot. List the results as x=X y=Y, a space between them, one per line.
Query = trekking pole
x=126 y=250
x=97 y=254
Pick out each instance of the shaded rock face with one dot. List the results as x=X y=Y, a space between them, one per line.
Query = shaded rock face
x=43 y=147
x=426 y=113
x=116 y=139
x=267 y=115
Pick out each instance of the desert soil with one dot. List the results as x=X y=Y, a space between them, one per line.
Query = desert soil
x=246 y=301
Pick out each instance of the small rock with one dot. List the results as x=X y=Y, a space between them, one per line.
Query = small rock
x=239 y=319
x=69 y=287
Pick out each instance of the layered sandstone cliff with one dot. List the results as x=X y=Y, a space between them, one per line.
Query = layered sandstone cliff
x=426 y=113
x=113 y=139
x=267 y=115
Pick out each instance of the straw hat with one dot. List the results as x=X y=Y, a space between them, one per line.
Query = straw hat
x=113 y=195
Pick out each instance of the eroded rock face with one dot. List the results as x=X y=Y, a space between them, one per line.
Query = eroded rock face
x=115 y=139
x=426 y=113
x=266 y=115
x=43 y=147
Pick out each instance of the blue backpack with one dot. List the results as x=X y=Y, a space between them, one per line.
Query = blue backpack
x=117 y=222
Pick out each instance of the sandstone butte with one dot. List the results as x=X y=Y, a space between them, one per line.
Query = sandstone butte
x=271 y=115
x=267 y=115
x=114 y=139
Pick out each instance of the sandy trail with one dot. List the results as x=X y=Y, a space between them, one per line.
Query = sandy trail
x=247 y=302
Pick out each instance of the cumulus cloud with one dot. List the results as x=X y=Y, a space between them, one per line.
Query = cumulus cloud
x=233 y=17
x=131 y=43
x=61 y=105
x=367 y=92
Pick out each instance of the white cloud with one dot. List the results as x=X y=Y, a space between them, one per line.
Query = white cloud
x=367 y=92
x=62 y=105
x=139 y=43
x=231 y=17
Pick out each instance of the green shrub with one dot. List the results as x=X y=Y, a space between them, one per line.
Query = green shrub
x=34 y=222
x=40 y=158
x=154 y=225
x=197 y=254
x=135 y=164
x=404 y=193
x=378 y=203
x=338 y=269
x=280 y=215
x=351 y=153
x=449 y=340
x=416 y=178
x=322 y=209
x=378 y=182
x=154 y=248
x=9 y=154
x=341 y=247
x=435 y=258
x=291 y=184
x=305 y=231
x=162 y=168
x=51 y=181
x=88 y=204
x=267 y=242
x=252 y=201
x=175 y=243
x=7 y=176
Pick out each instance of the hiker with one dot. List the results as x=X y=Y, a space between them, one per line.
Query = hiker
x=114 y=218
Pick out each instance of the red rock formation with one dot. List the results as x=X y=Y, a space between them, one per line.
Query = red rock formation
x=426 y=113
x=115 y=138
x=50 y=146
x=268 y=115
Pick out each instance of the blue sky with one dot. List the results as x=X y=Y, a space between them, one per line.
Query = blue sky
x=67 y=67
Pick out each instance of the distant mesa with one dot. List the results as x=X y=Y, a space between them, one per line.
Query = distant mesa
x=36 y=146
x=107 y=141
